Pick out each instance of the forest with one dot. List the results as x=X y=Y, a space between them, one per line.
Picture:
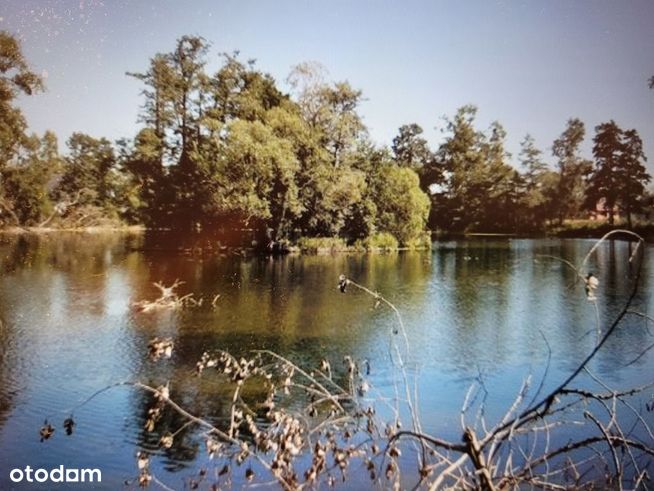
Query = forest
x=231 y=152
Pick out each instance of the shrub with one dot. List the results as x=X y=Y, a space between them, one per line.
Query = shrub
x=382 y=241
x=321 y=245
x=420 y=243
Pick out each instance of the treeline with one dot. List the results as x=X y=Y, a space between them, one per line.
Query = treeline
x=231 y=151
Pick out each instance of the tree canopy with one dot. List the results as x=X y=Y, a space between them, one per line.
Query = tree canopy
x=231 y=151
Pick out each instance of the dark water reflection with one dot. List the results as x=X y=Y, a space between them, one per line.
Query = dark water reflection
x=470 y=307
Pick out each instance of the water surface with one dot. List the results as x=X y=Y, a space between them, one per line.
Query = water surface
x=489 y=309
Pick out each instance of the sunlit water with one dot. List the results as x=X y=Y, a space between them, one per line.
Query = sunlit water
x=491 y=310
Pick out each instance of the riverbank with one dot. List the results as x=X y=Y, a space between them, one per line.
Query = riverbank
x=587 y=229
x=571 y=229
x=100 y=229
x=208 y=243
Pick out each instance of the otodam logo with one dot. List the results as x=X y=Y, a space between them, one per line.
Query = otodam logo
x=58 y=474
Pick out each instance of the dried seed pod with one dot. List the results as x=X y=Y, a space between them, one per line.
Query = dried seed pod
x=390 y=470
x=142 y=460
x=144 y=479
x=166 y=441
x=213 y=447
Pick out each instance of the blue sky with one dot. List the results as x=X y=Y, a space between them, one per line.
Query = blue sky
x=530 y=65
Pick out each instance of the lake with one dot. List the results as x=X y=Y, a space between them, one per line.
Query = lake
x=487 y=309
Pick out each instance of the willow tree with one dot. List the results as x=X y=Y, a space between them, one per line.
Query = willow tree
x=255 y=177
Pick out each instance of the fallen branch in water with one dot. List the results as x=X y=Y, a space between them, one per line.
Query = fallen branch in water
x=170 y=300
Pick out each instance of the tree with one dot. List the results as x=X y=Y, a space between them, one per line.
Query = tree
x=538 y=184
x=619 y=174
x=458 y=204
x=255 y=178
x=634 y=174
x=531 y=160
x=29 y=180
x=333 y=184
x=604 y=180
x=501 y=185
x=157 y=110
x=15 y=78
x=410 y=149
x=87 y=170
x=478 y=187
x=402 y=207
x=572 y=170
x=330 y=109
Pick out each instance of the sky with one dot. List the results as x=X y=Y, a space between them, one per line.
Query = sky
x=529 y=65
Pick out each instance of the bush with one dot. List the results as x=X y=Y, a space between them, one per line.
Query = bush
x=321 y=245
x=420 y=243
x=382 y=241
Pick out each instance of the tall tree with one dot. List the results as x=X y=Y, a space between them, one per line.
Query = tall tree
x=572 y=170
x=531 y=160
x=539 y=184
x=501 y=185
x=29 y=180
x=410 y=149
x=15 y=78
x=330 y=109
x=255 y=178
x=87 y=170
x=458 y=203
x=157 y=110
x=619 y=174
x=607 y=150
x=634 y=175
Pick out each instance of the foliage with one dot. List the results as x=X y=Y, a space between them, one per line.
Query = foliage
x=230 y=151
x=15 y=78
x=421 y=242
x=539 y=185
x=402 y=207
x=410 y=149
x=619 y=175
x=573 y=169
x=382 y=241
x=478 y=187
x=321 y=245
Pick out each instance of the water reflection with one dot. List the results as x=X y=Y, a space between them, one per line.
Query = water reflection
x=68 y=328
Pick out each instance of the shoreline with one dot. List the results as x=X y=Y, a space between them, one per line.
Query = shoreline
x=585 y=231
